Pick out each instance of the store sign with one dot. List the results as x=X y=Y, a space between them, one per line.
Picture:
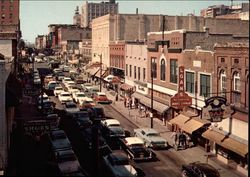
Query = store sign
x=181 y=99
x=216 y=109
x=37 y=127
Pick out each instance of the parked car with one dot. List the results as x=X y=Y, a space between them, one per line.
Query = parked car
x=101 y=98
x=65 y=97
x=198 y=169
x=54 y=119
x=37 y=80
x=119 y=165
x=44 y=98
x=79 y=80
x=58 y=90
x=81 y=119
x=59 y=76
x=78 y=97
x=71 y=107
x=67 y=162
x=51 y=85
x=136 y=149
x=47 y=107
x=96 y=112
x=66 y=68
x=48 y=78
x=112 y=129
x=151 y=138
x=72 y=89
x=59 y=141
x=85 y=86
x=69 y=83
x=65 y=80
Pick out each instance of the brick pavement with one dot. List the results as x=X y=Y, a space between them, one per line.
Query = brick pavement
x=188 y=155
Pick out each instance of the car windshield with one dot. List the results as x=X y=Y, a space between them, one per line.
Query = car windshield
x=114 y=125
x=71 y=106
x=58 y=88
x=66 y=94
x=153 y=134
x=88 y=102
x=122 y=162
x=136 y=146
x=80 y=95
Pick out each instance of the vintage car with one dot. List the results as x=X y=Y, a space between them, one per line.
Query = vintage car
x=118 y=165
x=136 y=149
x=73 y=89
x=100 y=97
x=67 y=162
x=112 y=129
x=197 y=169
x=65 y=97
x=71 y=107
x=151 y=138
x=78 y=96
x=86 y=103
x=58 y=90
x=59 y=140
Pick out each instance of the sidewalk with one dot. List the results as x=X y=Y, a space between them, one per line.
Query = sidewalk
x=188 y=155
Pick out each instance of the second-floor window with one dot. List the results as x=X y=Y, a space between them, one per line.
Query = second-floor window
x=173 y=71
x=126 y=69
x=190 y=82
x=130 y=70
x=144 y=74
x=204 y=85
x=134 y=72
x=236 y=80
x=163 y=70
x=154 y=68
x=223 y=83
x=139 y=73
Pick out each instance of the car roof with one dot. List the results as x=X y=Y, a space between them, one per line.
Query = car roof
x=133 y=140
x=101 y=93
x=112 y=121
x=70 y=103
x=66 y=78
x=147 y=130
x=65 y=93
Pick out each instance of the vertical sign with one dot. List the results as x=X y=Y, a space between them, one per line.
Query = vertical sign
x=181 y=79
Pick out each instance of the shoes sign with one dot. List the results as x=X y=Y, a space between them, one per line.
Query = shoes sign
x=181 y=99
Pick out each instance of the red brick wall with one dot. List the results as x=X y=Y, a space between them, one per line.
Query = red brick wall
x=10 y=10
x=117 y=53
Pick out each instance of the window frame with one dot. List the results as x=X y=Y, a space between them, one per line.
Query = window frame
x=163 y=70
x=193 y=74
x=200 y=86
x=236 y=75
x=174 y=69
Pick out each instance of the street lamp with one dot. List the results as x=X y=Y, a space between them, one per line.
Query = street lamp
x=152 y=99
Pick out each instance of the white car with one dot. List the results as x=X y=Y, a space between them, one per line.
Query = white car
x=64 y=97
x=72 y=89
x=111 y=122
x=78 y=97
x=66 y=68
x=45 y=98
x=65 y=80
x=69 y=83
x=58 y=90
x=118 y=164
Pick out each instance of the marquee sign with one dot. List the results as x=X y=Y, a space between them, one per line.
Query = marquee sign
x=181 y=99
x=216 y=109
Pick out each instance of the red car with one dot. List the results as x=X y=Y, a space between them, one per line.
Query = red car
x=100 y=97
x=87 y=103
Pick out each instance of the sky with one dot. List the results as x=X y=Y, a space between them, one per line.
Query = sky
x=36 y=15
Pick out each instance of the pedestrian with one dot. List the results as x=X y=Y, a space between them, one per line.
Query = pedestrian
x=140 y=110
x=130 y=103
x=125 y=102
x=182 y=140
x=116 y=97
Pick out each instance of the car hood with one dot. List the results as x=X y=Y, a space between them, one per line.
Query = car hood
x=124 y=171
x=116 y=130
x=156 y=139
x=72 y=109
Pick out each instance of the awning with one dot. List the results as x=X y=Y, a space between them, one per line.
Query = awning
x=159 y=107
x=188 y=124
x=125 y=87
x=112 y=79
x=228 y=143
x=98 y=73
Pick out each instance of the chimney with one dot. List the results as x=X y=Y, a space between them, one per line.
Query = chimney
x=136 y=11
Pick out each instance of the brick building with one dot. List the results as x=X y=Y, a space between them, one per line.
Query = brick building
x=118 y=27
x=85 y=49
x=9 y=12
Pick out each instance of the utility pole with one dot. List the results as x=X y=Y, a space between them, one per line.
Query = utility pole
x=100 y=72
x=152 y=97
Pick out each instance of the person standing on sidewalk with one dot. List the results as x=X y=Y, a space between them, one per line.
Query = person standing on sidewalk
x=125 y=102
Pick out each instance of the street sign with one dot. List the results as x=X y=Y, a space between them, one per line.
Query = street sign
x=181 y=99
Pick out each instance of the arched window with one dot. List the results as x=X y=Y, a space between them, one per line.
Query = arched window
x=223 y=83
x=236 y=81
x=163 y=70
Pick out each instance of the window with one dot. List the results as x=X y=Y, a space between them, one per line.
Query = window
x=126 y=69
x=130 y=70
x=134 y=72
x=11 y=8
x=204 y=85
x=223 y=83
x=173 y=71
x=139 y=73
x=236 y=60
x=11 y=16
x=222 y=60
x=190 y=82
x=144 y=74
x=236 y=80
x=163 y=70
x=154 y=68
x=3 y=16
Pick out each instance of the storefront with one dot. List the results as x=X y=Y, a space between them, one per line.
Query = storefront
x=228 y=148
x=193 y=126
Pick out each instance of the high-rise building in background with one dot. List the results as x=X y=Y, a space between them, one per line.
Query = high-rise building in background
x=92 y=10
x=77 y=17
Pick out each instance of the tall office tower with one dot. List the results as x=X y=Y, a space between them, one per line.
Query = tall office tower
x=92 y=10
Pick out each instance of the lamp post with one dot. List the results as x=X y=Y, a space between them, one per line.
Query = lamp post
x=100 y=55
